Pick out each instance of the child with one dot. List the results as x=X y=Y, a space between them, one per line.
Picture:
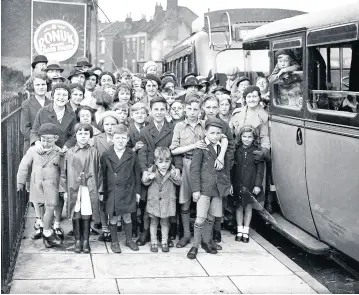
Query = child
x=122 y=109
x=225 y=107
x=158 y=133
x=285 y=63
x=237 y=97
x=169 y=95
x=81 y=178
x=110 y=89
x=85 y=114
x=139 y=114
x=102 y=143
x=176 y=112
x=209 y=186
x=161 y=199
x=45 y=177
x=247 y=177
x=123 y=93
x=150 y=67
x=122 y=185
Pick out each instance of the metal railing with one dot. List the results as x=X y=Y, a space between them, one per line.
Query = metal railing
x=13 y=203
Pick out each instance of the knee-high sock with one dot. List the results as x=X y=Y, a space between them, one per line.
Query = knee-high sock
x=198 y=230
x=207 y=230
x=185 y=222
x=217 y=224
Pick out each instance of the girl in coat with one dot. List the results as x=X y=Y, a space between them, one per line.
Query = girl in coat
x=161 y=195
x=122 y=185
x=81 y=178
x=247 y=177
x=45 y=177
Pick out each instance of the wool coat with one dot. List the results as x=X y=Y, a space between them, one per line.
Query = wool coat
x=45 y=175
x=101 y=144
x=121 y=181
x=29 y=109
x=134 y=134
x=205 y=178
x=152 y=139
x=161 y=194
x=246 y=172
x=48 y=115
x=82 y=167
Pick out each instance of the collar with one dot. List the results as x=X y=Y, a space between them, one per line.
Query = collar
x=186 y=121
x=348 y=103
x=119 y=151
x=156 y=124
x=206 y=140
x=77 y=147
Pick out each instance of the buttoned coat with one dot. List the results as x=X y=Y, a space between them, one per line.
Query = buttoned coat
x=100 y=143
x=121 y=181
x=45 y=175
x=29 y=109
x=48 y=115
x=152 y=139
x=161 y=195
x=82 y=167
x=205 y=178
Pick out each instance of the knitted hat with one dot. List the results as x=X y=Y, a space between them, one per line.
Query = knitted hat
x=62 y=86
x=149 y=64
x=214 y=122
x=48 y=129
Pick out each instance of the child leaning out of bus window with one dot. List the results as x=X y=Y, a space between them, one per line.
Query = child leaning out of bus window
x=285 y=64
x=247 y=177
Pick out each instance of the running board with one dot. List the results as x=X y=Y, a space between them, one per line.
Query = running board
x=296 y=235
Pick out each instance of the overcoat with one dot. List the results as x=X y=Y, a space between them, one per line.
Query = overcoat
x=100 y=143
x=204 y=177
x=48 y=115
x=121 y=181
x=45 y=175
x=82 y=167
x=152 y=139
x=161 y=195
x=29 y=109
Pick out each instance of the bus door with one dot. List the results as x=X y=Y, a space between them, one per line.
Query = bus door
x=287 y=131
x=332 y=135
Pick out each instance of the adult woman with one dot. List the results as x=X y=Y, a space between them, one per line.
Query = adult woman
x=77 y=76
x=263 y=85
x=205 y=84
x=77 y=95
x=232 y=79
x=106 y=78
x=253 y=114
x=151 y=85
x=101 y=103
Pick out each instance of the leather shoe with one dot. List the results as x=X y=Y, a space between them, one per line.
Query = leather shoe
x=52 y=240
x=132 y=245
x=143 y=238
x=86 y=246
x=207 y=247
x=60 y=233
x=170 y=243
x=78 y=247
x=183 y=242
x=217 y=236
x=154 y=248
x=115 y=247
x=245 y=238
x=165 y=248
x=192 y=254
x=37 y=234
x=238 y=238
x=214 y=245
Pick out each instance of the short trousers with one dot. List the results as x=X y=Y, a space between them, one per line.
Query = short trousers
x=126 y=218
x=209 y=205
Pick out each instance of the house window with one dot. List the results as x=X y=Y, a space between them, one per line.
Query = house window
x=102 y=45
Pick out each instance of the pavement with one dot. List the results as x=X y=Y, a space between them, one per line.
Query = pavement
x=256 y=267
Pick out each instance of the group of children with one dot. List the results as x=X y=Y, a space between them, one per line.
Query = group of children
x=157 y=157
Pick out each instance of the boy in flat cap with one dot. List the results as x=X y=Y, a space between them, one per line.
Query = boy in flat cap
x=286 y=63
x=209 y=186
x=45 y=177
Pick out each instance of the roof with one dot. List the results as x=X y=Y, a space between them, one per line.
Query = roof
x=310 y=21
x=247 y=15
x=113 y=28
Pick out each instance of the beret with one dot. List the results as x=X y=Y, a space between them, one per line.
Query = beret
x=154 y=78
x=48 y=129
x=214 y=122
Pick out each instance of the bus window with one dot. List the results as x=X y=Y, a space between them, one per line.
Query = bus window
x=227 y=59
x=287 y=78
x=333 y=77
x=256 y=63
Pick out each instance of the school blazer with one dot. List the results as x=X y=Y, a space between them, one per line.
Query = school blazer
x=153 y=139
x=48 y=115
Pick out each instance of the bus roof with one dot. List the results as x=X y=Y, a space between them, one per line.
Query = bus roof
x=314 y=20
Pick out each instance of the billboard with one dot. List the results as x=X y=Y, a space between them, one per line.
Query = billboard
x=58 y=30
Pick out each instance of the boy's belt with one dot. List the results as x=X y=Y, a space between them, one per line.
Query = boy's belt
x=188 y=156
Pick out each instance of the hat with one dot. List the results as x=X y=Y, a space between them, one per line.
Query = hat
x=58 y=76
x=241 y=79
x=149 y=64
x=54 y=65
x=82 y=61
x=110 y=114
x=169 y=74
x=192 y=81
x=214 y=79
x=183 y=81
x=37 y=59
x=167 y=79
x=92 y=73
x=222 y=89
x=154 y=78
x=284 y=52
x=75 y=72
x=48 y=129
x=214 y=122
x=202 y=80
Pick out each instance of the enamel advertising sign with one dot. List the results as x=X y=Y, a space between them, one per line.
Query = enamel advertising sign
x=59 y=30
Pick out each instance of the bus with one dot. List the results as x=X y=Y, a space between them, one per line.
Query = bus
x=215 y=46
x=314 y=127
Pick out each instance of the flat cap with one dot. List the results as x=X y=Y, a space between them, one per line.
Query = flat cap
x=214 y=122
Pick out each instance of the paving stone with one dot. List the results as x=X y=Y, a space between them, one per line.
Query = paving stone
x=195 y=285
x=65 y=286
x=53 y=266
x=312 y=282
x=145 y=265
x=289 y=284
x=230 y=245
x=231 y=264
